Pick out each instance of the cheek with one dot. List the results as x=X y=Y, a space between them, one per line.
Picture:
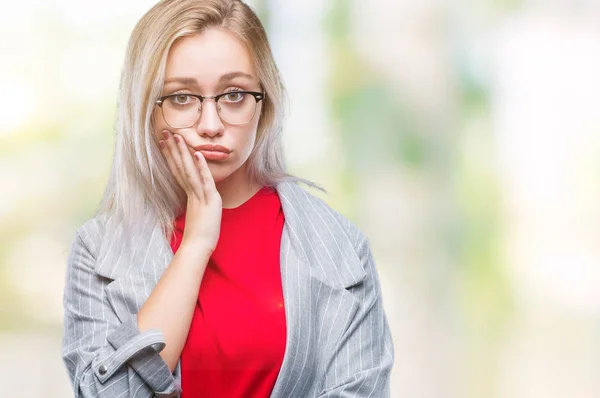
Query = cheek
x=254 y=129
x=248 y=143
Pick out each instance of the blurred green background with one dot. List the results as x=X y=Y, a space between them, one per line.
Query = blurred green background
x=462 y=137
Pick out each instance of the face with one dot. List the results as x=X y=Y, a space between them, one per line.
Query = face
x=207 y=64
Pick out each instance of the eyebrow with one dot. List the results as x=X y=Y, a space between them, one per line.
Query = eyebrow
x=225 y=78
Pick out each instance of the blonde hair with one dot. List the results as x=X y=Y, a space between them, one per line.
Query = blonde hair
x=140 y=180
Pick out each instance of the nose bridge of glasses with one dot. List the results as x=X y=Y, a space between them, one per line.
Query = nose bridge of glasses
x=212 y=97
x=215 y=100
x=203 y=113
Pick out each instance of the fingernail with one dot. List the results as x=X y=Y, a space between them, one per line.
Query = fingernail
x=165 y=134
x=176 y=138
x=162 y=144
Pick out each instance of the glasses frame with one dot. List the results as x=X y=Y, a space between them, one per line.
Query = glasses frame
x=258 y=96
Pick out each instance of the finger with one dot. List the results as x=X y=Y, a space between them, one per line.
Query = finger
x=208 y=182
x=167 y=154
x=179 y=166
x=191 y=173
x=168 y=151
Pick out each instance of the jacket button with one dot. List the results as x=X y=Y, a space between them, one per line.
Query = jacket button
x=102 y=370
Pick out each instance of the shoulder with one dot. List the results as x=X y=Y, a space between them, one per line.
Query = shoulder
x=316 y=213
x=92 y=232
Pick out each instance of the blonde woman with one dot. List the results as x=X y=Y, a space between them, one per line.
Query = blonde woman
x=207 y=270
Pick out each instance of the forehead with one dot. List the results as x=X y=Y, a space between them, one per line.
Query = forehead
x=207 y=56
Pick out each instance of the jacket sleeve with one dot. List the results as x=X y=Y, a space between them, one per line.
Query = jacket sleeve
x=365 y=353
x=104 y=357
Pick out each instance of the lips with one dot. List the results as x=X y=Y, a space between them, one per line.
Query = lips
x=213 y=152
x=213 y=148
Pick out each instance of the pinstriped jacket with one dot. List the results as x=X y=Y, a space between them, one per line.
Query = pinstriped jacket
x=338 y=340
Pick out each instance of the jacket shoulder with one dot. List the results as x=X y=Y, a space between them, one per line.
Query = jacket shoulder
x=319 y=211
x=92 y=231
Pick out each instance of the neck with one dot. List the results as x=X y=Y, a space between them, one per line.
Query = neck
x=237 y=188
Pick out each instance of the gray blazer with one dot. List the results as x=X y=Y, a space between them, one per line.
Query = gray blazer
x=338 y=340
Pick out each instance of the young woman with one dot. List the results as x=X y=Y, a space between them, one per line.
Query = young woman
x=208 y=271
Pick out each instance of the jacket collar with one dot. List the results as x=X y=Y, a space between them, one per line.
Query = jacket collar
x=319 y=237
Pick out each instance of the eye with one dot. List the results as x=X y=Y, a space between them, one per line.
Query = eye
x=180 y=99
x=233 y=96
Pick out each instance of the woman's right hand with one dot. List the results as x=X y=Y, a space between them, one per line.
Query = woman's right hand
x=204 y=204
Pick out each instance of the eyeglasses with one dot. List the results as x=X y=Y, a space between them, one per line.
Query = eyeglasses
x=234 y=107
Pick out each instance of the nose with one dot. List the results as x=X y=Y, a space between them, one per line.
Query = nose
x=210 y=123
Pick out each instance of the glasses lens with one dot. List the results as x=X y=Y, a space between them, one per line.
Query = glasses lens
x=181 y=111
x=237 y=108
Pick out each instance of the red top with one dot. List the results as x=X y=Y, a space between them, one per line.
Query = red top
x=236 y=341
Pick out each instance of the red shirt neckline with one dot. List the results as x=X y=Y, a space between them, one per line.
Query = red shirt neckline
x=227 y=212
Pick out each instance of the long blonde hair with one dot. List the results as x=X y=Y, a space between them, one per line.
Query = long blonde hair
x=140 y=181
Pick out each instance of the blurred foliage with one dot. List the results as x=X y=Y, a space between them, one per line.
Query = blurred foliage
x=372 y=123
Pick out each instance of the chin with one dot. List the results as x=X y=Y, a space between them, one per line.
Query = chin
x=221 y=171
x=218 y=180
x=220 y=174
